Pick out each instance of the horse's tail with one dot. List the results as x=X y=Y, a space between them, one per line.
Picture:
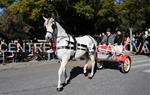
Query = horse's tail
x=92 y=49
x=94 y=41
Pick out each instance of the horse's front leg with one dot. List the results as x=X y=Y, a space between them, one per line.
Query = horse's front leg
x=92 y=57
x=60 y=72
x=66 y=78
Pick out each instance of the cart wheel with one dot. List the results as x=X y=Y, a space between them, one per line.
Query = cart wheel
x=100 y=65
x=125 y=67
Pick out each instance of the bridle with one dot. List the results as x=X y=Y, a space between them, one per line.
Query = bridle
x=54 y=33
x=54 y=27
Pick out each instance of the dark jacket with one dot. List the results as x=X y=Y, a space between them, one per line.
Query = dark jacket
x=110 y=39
x=118 y=39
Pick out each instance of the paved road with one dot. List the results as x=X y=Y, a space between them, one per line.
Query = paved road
x=40 y=78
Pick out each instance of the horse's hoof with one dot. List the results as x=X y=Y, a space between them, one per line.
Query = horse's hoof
x=90 y=77
x=64 y=84
x=59 y=89
x=85 y=74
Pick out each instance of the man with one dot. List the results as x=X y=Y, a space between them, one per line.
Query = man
x=110 y=38
x=103 y=38
x=118 y=38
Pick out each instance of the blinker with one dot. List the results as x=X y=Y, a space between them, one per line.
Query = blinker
x=53 y=26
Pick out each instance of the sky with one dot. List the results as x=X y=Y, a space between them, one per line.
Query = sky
x=1 y=10
x=119 y=1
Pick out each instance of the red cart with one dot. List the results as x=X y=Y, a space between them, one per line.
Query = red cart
x=113 y=53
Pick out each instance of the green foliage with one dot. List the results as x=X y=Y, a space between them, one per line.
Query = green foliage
x=77 y=16
x=6 y=3
x=108 y=15
x=132 y=15
x=13 y=26
x=84 y=9
x=32 y=9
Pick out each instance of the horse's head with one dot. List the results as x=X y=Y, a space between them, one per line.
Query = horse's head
x=50 y=25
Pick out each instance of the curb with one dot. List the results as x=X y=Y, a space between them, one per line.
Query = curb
x=25 y=64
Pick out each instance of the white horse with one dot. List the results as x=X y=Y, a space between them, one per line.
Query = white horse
x=68 y=47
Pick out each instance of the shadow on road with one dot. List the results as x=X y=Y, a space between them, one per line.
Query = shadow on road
x=111 y=65
x=75 y=72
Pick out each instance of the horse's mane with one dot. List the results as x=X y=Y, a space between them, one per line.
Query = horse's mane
x=60 y=27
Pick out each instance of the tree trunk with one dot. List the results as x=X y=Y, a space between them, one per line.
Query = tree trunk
x=130 y=30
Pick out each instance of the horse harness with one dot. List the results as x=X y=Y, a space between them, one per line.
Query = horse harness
x=76 y=46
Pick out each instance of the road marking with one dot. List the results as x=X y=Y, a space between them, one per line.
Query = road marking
x=137 y=56
x=141 y=61
x=140 y=65
x=147 y=71
x=140 y=58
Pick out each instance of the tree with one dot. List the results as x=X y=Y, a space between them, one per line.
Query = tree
x=78 y=16
x=6 y=3
x=132 y=15
x=32 y=12
x=146 y=6
x=107 y=16
x=84 y=9
x=12 y=25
